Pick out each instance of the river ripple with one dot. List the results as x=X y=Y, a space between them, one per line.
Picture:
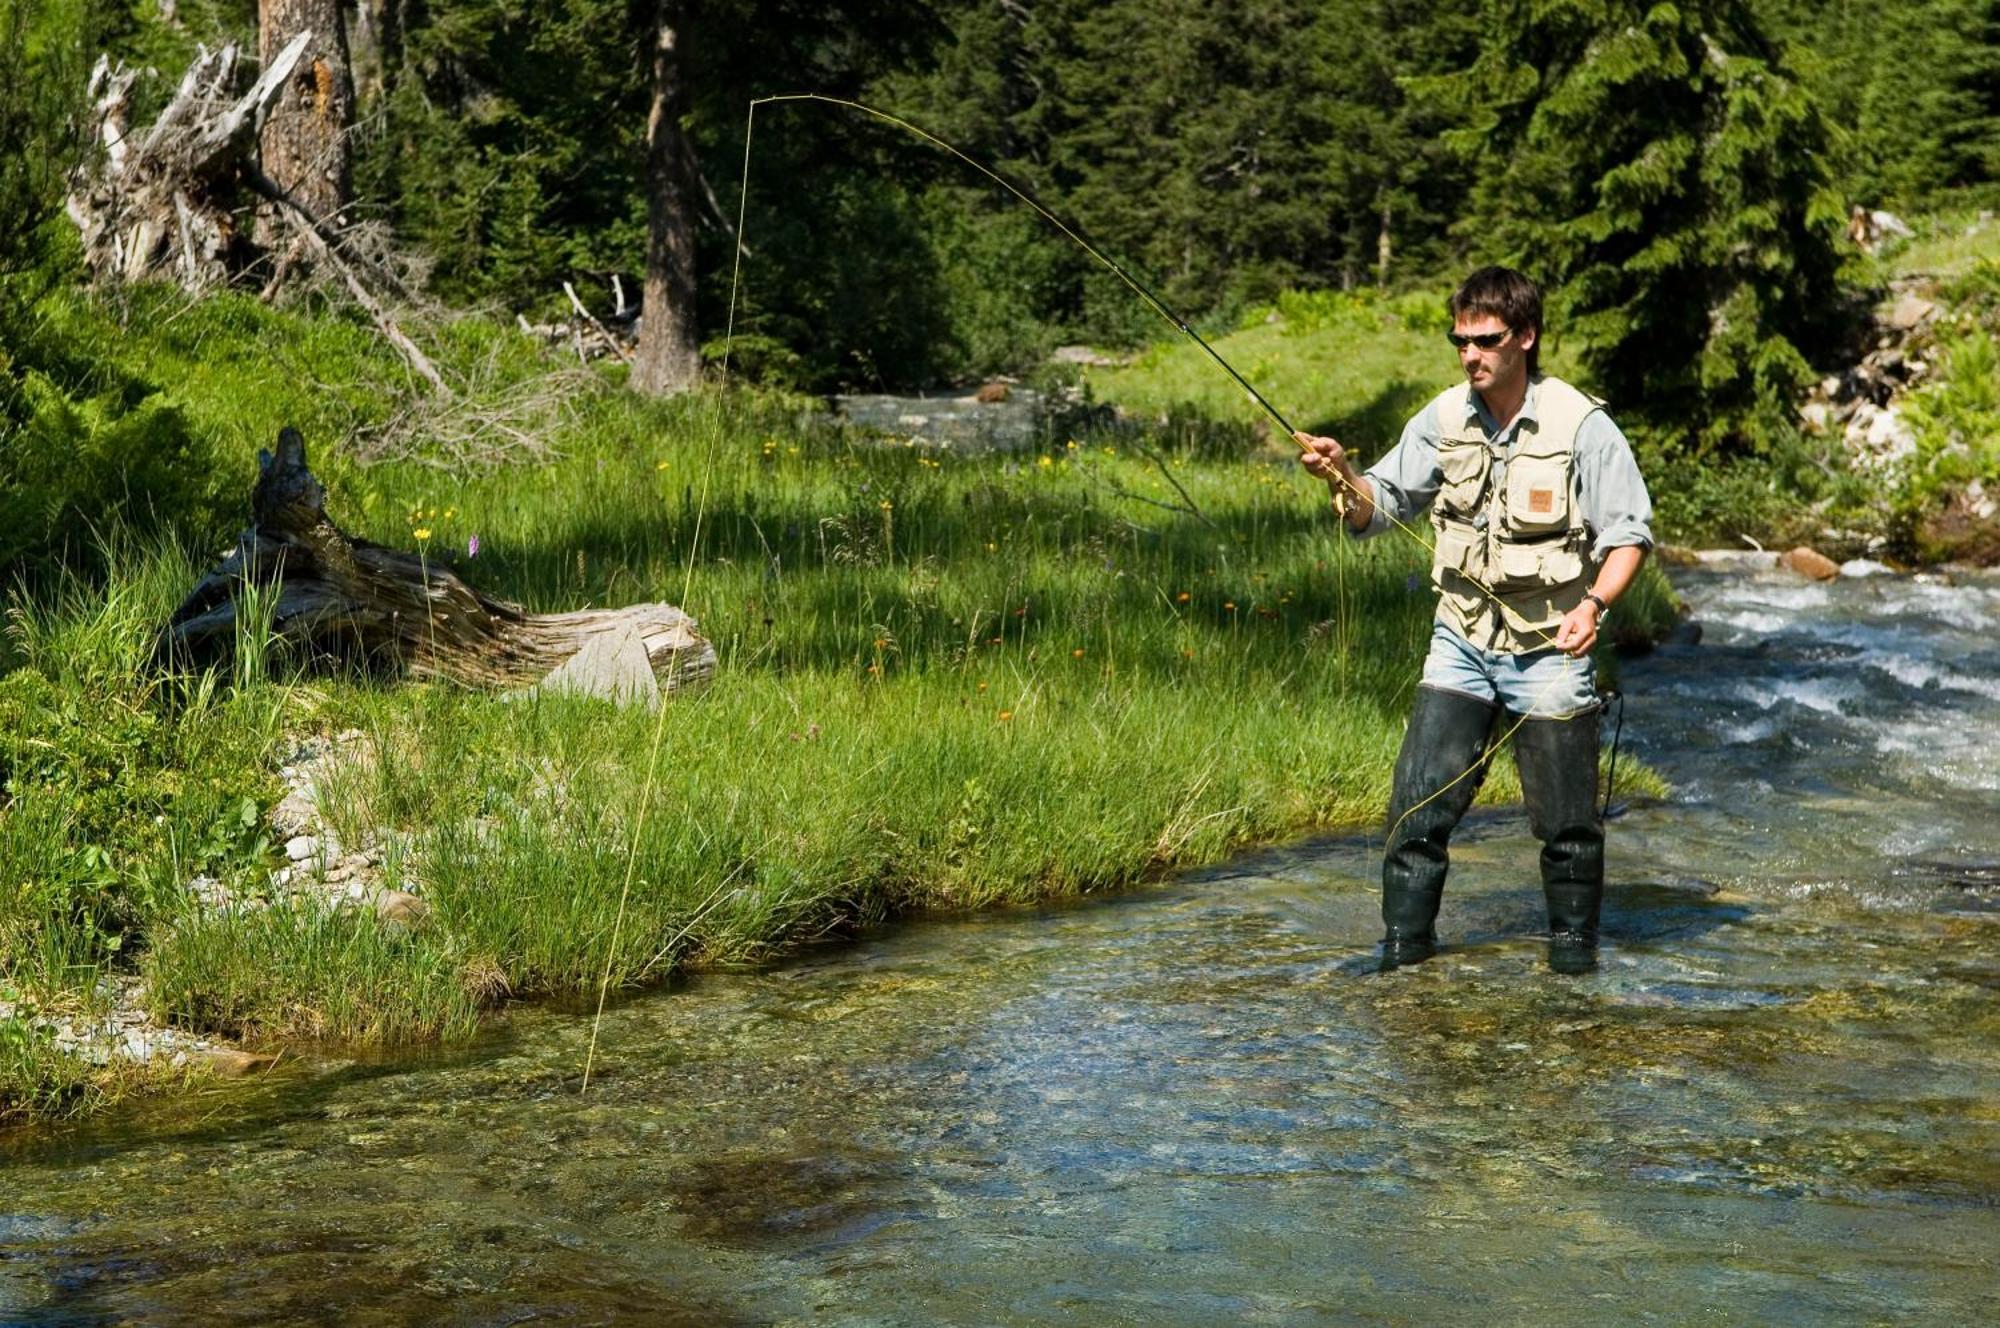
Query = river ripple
x=1775 y=1102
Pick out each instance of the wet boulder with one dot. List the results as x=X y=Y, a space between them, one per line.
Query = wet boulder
x=1810 y=563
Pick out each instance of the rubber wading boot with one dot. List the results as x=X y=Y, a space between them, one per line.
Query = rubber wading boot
x=1438 y=770
x=1558 y=763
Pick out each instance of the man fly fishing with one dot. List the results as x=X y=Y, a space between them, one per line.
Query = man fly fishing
x=1541 y=520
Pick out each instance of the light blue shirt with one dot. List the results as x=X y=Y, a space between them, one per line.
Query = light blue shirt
x=1616 y=507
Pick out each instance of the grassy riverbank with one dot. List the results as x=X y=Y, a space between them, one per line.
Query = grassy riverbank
x=946 y=683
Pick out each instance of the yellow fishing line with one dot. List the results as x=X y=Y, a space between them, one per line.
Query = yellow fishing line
x=1151 y=302
x=660 y=716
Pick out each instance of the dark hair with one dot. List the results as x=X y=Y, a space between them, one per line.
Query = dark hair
x=1508 y=296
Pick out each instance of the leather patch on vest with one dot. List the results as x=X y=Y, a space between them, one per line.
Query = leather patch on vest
x=1541 y=500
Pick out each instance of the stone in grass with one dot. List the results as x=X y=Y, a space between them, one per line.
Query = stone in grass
x=612 y=666
x=400 y=909
x=1811 y=564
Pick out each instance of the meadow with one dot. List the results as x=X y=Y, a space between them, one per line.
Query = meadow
x=947 y=682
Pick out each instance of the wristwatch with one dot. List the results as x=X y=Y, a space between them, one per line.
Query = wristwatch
x=1602 y=607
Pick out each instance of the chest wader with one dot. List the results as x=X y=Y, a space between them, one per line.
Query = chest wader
x=1509 y=564
x=1440 y=767
x=1557 y=759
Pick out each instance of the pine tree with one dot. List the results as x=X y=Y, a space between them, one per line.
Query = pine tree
x=1928 y=120
x=1914 y=85
x=669 y=354
x=1391 y=187
x=1664 y=175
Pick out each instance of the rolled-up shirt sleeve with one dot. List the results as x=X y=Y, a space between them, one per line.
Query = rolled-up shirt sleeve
x=1613 y=492
x=1406 y=480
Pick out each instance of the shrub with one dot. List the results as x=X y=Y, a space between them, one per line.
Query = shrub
x=76 y=464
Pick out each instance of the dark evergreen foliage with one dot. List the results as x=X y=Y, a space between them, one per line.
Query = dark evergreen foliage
x=1661 y=171
x=1916 y=86
x=514 y=136
x=41 y=105
x=1671 y=170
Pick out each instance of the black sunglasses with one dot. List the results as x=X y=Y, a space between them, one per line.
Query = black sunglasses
x=1483 y=340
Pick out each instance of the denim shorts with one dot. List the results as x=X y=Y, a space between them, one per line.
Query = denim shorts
x=1545 y=683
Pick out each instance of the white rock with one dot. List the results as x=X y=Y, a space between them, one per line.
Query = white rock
x=1982 y=504
x=1911 y=310
x=612 y=665
x=1865 y=567
x=1745 y=559
x=1890 y=436
x=301 y=847
x=1888 y=223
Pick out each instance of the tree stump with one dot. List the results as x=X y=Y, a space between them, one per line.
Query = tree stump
x=336 y=597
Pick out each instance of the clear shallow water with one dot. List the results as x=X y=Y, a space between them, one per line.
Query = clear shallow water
x=1777 y=1101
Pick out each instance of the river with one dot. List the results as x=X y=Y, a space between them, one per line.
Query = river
x=1776 y=1101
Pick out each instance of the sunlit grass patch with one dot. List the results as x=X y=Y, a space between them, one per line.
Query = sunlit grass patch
x=39 y=1081
x=304 y=970
x=946 y=682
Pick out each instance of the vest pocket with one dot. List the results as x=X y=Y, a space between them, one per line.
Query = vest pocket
x=1538 y=488
x=1549 y=565
x=1458 y=550
x=1462 y=464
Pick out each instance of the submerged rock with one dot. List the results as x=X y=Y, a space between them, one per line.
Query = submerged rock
x=232 y=1062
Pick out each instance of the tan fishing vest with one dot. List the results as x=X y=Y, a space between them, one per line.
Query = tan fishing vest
x=1523 y=540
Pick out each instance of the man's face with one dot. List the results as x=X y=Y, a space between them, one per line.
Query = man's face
x=1504 y=366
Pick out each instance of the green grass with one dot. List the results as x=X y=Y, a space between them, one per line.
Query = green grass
x=1352 y=365
x=1949 y=244
x=945 y=683
x=38 y=1081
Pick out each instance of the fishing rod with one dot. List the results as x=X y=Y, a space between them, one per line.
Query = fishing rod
x=1139 y=288
x=1145 y=293
x=1154 y=302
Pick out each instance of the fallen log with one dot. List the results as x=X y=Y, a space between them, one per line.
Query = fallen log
x=336 y=598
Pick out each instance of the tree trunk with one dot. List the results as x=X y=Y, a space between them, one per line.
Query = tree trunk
x=329 y=595
x=669 y=357
x=375 y=48
x=304 y=142
x=1383 y=251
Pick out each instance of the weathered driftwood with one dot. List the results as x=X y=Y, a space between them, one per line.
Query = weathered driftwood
x=332 y=595
x=588 y=334
x=165 y=202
